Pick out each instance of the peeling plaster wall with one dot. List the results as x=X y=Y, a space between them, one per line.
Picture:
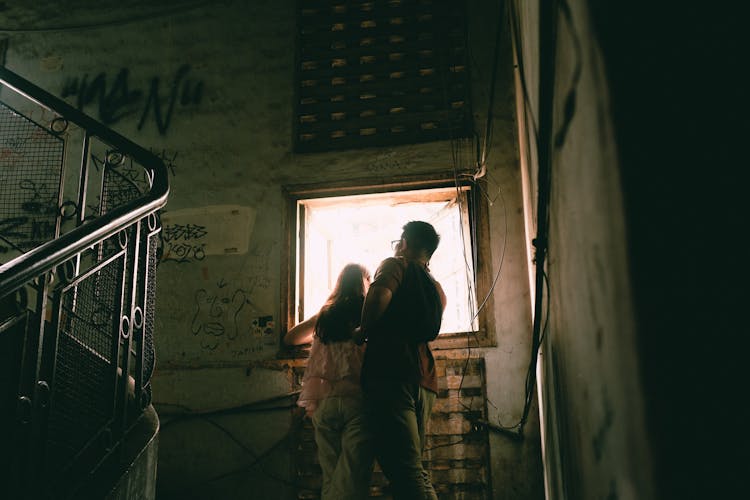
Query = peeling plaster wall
x=209 y=88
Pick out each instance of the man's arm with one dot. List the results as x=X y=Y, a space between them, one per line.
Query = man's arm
x=441 y=293
x=387 y=279
x=376 y=302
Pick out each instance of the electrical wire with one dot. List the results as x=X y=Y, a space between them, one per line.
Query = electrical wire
x=570 y=98
x=257 y=457
x=544 y=188
x=254 y=407
x=547 y=65
x=481 y=171
x=516 y=34
x=546 y=318
x=543 y=214
x=502 y=257
x=445 y=445
x=482 y=160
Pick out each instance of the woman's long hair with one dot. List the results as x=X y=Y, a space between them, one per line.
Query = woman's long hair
x=342 y=312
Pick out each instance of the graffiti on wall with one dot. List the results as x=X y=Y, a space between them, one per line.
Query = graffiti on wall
x=10 y=232
x=33 y=220
x=123 y=182
x=217 y=314
x=41 y=198
x=262 y=333
x=192 y=234
x=224 y=313
x=184 y=243
x=117 y=98
x=257 y=268
x=168 y=157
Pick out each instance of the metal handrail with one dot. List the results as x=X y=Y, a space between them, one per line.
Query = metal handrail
x=35 y=262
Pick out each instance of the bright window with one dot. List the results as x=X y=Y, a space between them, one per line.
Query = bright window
x=334 y=231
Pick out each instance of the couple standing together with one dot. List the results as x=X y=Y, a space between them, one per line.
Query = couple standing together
x=370 y=381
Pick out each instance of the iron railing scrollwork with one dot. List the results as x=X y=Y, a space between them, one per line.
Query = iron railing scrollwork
x=79 y=235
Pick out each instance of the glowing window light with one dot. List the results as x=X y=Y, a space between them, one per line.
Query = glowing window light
x=360 y=228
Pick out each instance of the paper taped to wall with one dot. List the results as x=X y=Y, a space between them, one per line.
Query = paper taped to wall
x=214 y=230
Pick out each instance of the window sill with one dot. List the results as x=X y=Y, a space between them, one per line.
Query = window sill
x=462 y=340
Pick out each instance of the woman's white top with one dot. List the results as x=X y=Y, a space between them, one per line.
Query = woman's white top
x=333 y=369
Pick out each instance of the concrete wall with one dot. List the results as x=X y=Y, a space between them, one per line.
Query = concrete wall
x=595 y=444
x=635 y=361
x=210 y=89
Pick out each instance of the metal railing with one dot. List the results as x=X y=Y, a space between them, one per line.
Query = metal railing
x=79 y=236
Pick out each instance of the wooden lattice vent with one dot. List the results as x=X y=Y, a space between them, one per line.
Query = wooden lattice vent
x=457 y=454
x=378 y=73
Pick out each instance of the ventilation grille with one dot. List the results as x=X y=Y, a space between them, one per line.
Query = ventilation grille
x=375 y=73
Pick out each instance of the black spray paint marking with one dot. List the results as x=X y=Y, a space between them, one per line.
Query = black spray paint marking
x=169 y=159
x=119 y=100
x=33 y=219
x=123 y=183
x=217 y=314
x=184 y=243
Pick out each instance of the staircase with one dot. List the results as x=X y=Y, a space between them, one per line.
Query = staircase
x=79 y=238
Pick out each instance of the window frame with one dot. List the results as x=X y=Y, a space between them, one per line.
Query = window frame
x=480 y=245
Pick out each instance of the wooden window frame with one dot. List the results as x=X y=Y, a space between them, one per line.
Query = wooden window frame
x=483 y=337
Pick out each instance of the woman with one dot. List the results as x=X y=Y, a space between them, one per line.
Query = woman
x=331 y=392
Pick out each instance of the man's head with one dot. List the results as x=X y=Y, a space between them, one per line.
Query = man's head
x=418 y=240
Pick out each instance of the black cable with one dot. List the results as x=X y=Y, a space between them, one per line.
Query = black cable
x=482 y=158
x=257 y=458
x=570 y=98
x=482 y=161
x=545 y=169
x=548 y=21
x=516 y=33
x=192 y=416
x=502 y=255
x=547 y=60
x=546 y=317
x=254 y=407
x=445 y=445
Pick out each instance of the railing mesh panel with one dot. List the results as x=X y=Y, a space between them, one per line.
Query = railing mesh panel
x=85 y=369
x=148 y=332
x=122 y=183
x=30 y=164
x=67 y=374
x=90 y=313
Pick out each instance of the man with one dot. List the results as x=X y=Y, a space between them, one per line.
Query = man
x=402 y=311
